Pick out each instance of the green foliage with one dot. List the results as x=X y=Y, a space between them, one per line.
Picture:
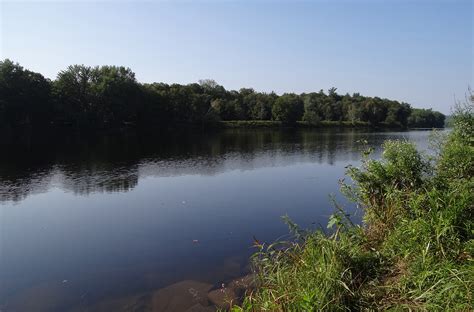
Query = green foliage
x=320 y=274
x=24 y=96
x=261 y=107
x=374 y=111
x=288 y=108
x=312 y=109
x=110 y=96
x=382 y=186
x=426 y=118
x=414 y=252
x=96 y=95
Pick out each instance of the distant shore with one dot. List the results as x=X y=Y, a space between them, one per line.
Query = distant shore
x=228 y=124
x=303 y=124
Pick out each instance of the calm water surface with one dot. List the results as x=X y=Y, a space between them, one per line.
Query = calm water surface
x=84 y=219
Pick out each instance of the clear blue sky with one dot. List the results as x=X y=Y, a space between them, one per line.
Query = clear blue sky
x=420 y=52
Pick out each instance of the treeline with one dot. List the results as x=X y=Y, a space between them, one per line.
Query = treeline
x=110 y=96
x=426 y=118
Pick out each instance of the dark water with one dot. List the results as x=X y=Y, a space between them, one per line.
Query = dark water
x=87 y=218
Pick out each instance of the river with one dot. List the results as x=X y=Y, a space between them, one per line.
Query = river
x=89 y=218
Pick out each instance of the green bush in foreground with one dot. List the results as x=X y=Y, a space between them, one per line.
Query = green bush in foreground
x=414 y=251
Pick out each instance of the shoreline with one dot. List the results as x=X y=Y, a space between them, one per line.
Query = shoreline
x=228 y=124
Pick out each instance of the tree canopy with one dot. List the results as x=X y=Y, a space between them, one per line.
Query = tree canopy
x=288 y=108
x=25 y=96
x=426 y=118
x=109 y=96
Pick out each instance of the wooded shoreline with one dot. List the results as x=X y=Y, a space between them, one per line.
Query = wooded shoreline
x=110 y=97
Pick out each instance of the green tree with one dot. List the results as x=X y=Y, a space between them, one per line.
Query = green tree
x=426 y=118
x=74 y=95
x=374 y=111
x=397 y=114
x=153 y=108
x=109 y=96
x=24 y=96
x=349 y=109
x=97 y=95
x=312 y=108
x=260 y=106
x=212 y=88
x=288 y=108
x=116 y=94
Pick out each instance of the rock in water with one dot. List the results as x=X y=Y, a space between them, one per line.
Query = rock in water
x=133 y=303
x=223 y=298
x=200 y=308
x=243 y=283
x=180 y=296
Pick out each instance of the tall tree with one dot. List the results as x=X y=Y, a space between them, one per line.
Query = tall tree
x=288 y=108
x=25 y=96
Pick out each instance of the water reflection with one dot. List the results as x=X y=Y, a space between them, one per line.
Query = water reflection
x=114 y=162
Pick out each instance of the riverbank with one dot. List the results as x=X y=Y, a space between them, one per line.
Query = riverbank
x=307 y=125
x=212 y=125
x=298 y=124
x=415 y=250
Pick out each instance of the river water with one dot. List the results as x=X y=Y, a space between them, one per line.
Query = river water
x=90 y=218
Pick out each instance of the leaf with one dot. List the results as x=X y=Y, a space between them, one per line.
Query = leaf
x=333 y=220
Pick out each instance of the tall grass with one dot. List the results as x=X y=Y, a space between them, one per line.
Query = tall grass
x=414 y=250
